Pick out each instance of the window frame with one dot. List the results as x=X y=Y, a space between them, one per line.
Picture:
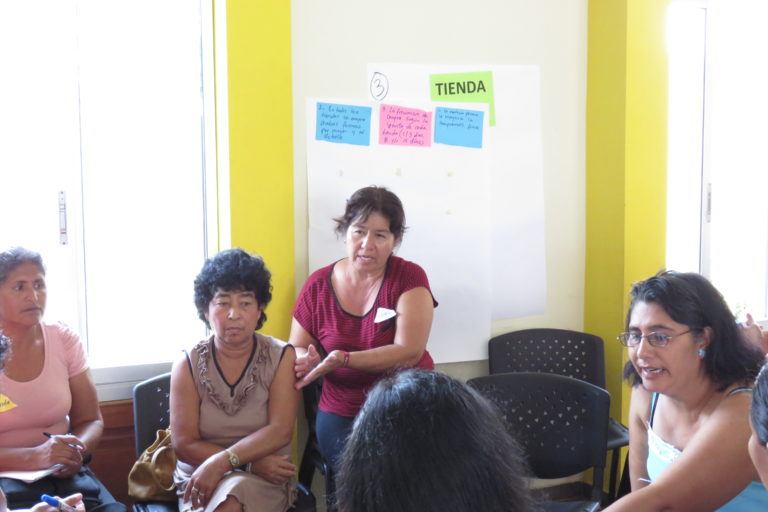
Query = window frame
x=117 y=382
x=708 y=83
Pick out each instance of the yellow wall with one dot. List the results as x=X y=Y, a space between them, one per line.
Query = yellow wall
x=626 y=166
x=260 y=144
x=605 y=176
x=646 y=147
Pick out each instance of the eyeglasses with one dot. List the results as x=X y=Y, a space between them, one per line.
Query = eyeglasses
x=655 y=339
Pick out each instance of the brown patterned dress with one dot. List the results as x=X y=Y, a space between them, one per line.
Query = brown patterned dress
x=230 y=414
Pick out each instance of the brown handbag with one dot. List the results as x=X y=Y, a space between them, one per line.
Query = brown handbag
x=151 y=477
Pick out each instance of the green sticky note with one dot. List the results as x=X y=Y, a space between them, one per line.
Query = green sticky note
x=474 y=87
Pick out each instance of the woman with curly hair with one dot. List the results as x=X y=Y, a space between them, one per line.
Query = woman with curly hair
x=233 y=401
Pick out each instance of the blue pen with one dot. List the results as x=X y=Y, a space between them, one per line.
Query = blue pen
x=57 y=503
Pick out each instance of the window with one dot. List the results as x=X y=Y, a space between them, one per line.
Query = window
x=109 y=170
x=718 y=168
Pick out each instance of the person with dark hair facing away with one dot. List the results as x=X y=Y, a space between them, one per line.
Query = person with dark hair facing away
x=758 y=441
x=691 y=371
x=50 y=413
x=233 y=401
x=425 y=441
x=368 y=314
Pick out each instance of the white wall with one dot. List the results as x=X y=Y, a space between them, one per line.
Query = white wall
x=334 y=40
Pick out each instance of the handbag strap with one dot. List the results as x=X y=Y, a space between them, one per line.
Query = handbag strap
x=161 y=472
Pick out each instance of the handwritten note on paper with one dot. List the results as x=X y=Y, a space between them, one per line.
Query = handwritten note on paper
x=404 y=126
x=345 y=124
x=474 y=87
x=459 y=127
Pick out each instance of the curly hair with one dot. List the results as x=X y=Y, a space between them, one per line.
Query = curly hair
x=372 y=199
x=428 y=442
x=233 y=270
x=758 y=414
x=5 y=347
x=690 y=299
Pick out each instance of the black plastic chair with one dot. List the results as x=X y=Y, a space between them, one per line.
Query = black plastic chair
x=560 y=422
x=151 y=412
x=562 y=352
x=311 y=460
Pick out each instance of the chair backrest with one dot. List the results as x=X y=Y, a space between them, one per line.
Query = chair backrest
x=560 y=422
x=562 y=352
x=311 y=458
x=151 y=409
x=311 y=395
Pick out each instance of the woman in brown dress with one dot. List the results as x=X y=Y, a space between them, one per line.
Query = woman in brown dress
x=233 y=401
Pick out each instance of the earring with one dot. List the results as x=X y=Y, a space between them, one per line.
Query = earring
x=702 y=353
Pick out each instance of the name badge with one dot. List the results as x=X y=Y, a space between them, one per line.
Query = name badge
x=6 y=404
x=384 y=314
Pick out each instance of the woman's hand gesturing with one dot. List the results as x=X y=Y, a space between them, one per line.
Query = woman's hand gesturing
x=335 y=359
x=306 y=363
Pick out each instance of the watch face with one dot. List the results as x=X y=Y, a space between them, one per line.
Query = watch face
x=233 y=459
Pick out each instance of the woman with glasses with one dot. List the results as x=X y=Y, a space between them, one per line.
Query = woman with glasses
x=691 y=372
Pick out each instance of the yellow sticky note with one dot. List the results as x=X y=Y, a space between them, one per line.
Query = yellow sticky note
x=6 y=404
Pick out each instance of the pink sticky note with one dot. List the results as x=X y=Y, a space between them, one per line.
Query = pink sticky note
x=402 y=126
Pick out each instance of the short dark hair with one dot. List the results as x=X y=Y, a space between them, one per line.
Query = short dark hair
x=5 y=346
x=372 y=199
x=233 y=270
x=759 y=412
x=14 y=257
x=425 y=441
x=690 y=299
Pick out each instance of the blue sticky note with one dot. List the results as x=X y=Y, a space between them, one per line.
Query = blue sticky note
x=459 y=127
x=344 y=124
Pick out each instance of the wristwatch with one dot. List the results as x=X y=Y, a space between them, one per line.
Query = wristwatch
x=234 y=460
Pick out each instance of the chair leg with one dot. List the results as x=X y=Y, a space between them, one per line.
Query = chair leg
x=330 y=489
x=624 y=484
x=615 y=456
x=307 y=467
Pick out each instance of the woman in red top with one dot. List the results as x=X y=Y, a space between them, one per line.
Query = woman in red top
x=369 y=313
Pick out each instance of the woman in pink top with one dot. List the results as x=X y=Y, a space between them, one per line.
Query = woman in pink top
x=369 y=314
x=75 y=500
x=49 y=412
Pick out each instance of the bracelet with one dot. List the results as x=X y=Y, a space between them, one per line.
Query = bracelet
x=346 y=359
